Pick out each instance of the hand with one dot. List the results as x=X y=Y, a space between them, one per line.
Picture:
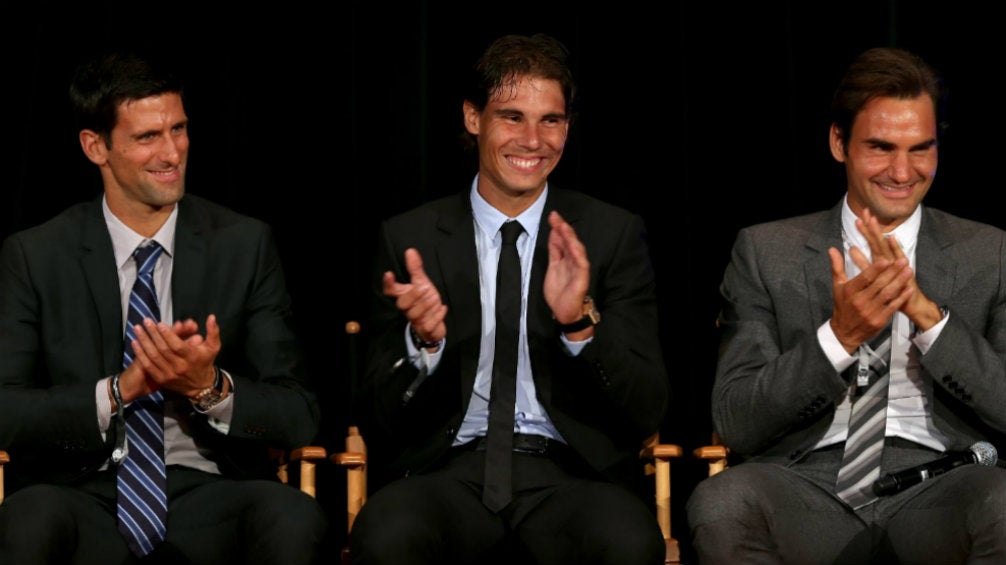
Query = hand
x=418 y=299
x=568 y=276
x=177 y=357
x=922 y=311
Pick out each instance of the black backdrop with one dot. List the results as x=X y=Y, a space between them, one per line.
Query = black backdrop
x=323 y=119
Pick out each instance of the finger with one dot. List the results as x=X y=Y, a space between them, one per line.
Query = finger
x=212 y=334
x=895 y=246
x=391 y=286
x=414 y=266
x=149 y=356
x=838 y=277
x=555 y=220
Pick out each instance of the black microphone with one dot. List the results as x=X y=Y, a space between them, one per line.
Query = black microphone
x=982 y=453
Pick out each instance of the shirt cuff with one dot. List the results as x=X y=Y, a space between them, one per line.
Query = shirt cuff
x=833 y=349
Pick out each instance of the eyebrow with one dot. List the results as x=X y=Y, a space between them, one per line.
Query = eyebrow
x=883 y=143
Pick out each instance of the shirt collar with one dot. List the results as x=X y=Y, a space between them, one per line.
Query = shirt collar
x=907 y=233
x=125 y=240
x=490 y=219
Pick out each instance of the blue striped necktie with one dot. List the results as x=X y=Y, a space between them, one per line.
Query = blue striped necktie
x=143 y=507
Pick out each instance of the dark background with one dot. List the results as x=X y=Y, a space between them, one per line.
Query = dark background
x=324 y=119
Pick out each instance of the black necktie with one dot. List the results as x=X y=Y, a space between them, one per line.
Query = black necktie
x=496 y=492
x=142 y=502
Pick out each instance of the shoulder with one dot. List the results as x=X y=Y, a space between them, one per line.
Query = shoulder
x=574 y=205
x=793 y=228
x=955 y=229
x=61 y=229
x=199 y=213
x=455 y=207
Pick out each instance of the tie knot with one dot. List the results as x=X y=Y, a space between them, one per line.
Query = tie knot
x=146 y=257
x=511 y=230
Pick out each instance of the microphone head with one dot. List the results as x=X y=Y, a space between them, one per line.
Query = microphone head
x=985 y=453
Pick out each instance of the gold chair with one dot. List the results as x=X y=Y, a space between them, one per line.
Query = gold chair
x=715 y=453
x=658 y=456
x=4 y=459
x=354 y=459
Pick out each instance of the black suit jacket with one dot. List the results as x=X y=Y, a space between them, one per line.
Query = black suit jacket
x=603 y=401
x=61 y=331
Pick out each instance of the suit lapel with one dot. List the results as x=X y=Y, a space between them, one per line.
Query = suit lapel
x=189 y=262
x=935 y=270
x=458 y=263
x=817 y=268
x=97 y=260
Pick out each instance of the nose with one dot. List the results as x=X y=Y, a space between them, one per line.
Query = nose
x=172 y=148
x=900 y=169
x=530 y=137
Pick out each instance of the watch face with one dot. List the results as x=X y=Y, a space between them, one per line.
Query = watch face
x=208 y=400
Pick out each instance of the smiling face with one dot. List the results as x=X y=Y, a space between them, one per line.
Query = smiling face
x=521 y=134
x=891 y=158
x=143 y=164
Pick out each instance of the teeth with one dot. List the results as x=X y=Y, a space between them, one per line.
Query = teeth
x=523 y=163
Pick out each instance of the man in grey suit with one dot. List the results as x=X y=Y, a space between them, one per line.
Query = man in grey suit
x=590 y=380
x=803 y=300
x=217 y=345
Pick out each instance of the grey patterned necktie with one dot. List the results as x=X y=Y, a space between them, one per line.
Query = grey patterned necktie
x=867 y=422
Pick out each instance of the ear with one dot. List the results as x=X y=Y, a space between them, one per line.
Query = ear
x=471 y=117
x=835 y=141
x=93 y=146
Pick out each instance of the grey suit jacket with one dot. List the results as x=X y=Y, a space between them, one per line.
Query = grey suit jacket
x=604 y=401
x=775 y=391
x=61 y=331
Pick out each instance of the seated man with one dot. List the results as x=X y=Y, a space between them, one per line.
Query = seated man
x=515 y=367
x=148 y=360
x=858 y=342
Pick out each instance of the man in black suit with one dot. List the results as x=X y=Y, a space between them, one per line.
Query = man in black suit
x=591 y=382
x=217 y=345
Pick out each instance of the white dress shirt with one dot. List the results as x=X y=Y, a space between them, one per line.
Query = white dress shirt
x=908 y=413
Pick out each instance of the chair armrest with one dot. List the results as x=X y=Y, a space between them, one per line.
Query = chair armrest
x=716 y=455
x=354 y=459
x=4 y=459
x=658 y=456
x=306 y=457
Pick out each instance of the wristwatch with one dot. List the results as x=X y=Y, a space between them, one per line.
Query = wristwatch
x=590 y=318
x=210 y=396
x=418 y=341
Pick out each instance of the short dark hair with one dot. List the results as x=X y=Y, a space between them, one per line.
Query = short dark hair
x=884 y=72
x=102 y=83
x=514 y=56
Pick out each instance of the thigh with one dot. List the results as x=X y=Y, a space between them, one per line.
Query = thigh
x=589 y=522
x=432 y=518
x=957 y=517
x=763 y=513
x=60 y=524
x=212 y=519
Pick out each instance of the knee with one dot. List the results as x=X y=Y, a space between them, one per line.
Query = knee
x=384 y=520
x=725 y=496
x=42 y=508
x=287 y=514
x=389 y=531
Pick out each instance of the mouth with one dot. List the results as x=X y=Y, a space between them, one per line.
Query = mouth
x=526 y=163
